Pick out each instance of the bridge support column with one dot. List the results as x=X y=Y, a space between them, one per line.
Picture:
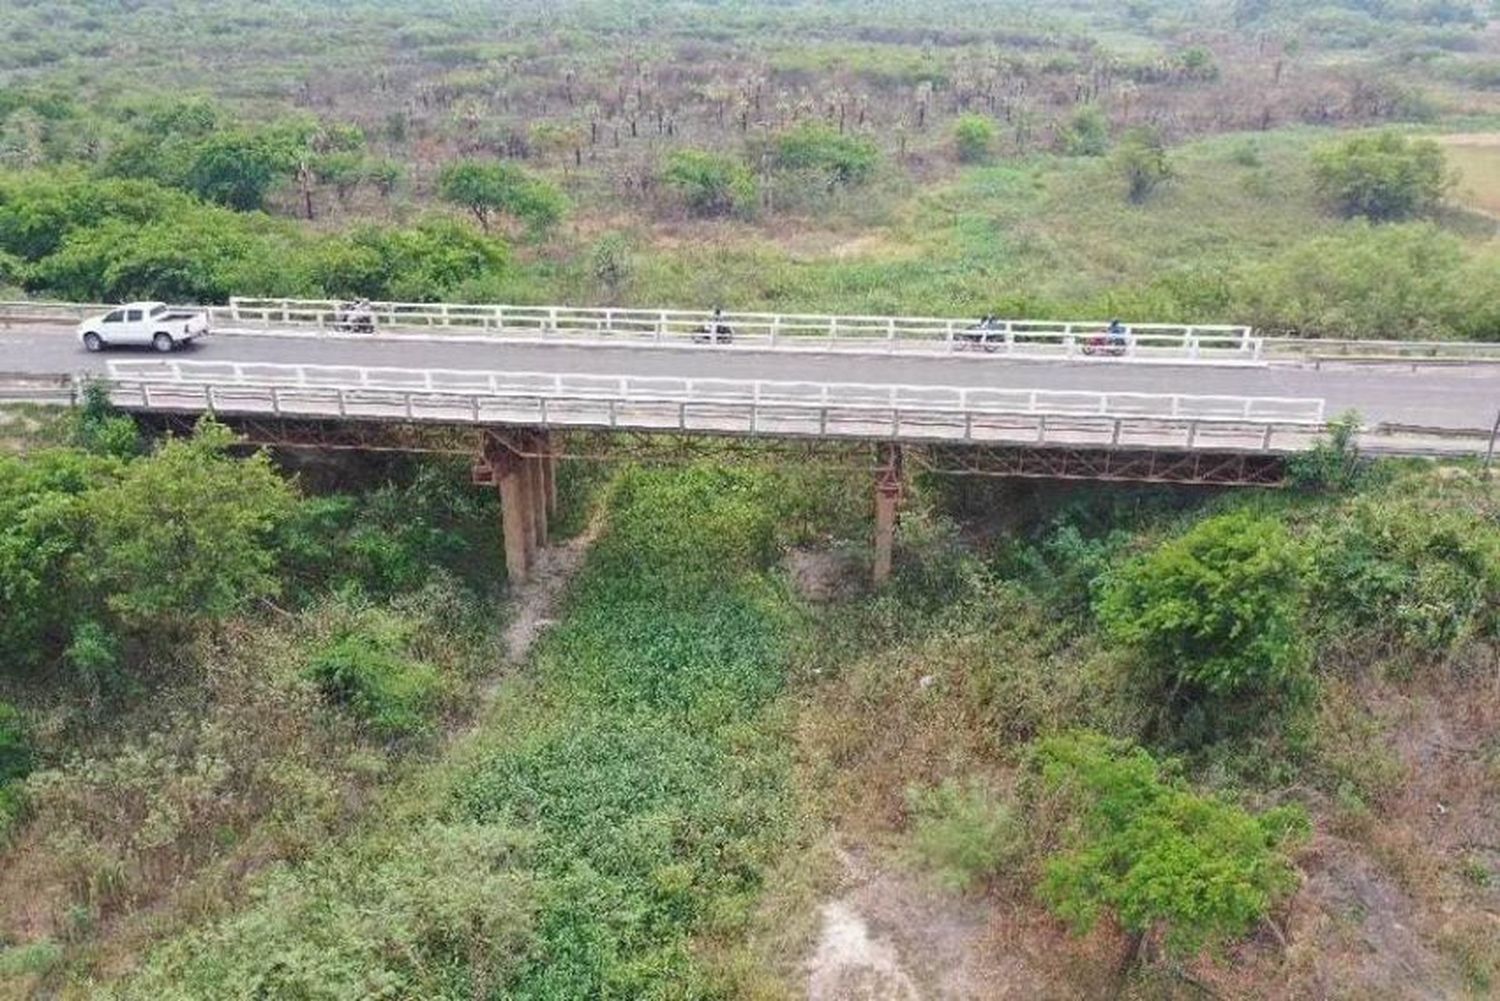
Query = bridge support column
x=511 y=464
x=888 y=489
x=509 y=472
x=549 y=473
x=538 y=483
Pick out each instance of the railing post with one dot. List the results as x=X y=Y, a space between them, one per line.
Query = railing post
x=1192 y=433
x=1114 y=438
x=948 y=336
x=1041 y=429
x=775 y=328
x=275 y=401
x=1265 y=438
x=661 y=325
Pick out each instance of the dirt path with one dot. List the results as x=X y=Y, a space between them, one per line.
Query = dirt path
x=535 y=602
x=891 y=936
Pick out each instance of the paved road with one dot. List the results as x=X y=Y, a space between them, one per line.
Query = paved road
x=1455 y=397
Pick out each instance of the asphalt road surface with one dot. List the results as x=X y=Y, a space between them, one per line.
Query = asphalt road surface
x=1465 y=397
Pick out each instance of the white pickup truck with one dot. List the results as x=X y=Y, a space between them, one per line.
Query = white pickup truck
x=161 y=326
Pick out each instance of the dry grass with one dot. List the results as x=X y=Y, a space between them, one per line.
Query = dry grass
x=1476 y=157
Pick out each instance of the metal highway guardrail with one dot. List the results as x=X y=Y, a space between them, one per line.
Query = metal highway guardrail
x=725 y=406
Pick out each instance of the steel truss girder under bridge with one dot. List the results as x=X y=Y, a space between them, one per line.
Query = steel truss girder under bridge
x=1030 y=462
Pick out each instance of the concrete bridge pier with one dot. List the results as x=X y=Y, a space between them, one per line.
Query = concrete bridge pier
x=888 y=490
x=523 y=467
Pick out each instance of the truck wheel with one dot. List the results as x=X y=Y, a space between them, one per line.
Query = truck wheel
x=93 y=342
x=163 y=342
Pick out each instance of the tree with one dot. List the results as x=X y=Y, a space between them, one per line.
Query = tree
x=710 y=184
x=1383 y=177
x=237 y=168
x=974 y=138
x=490 y=189
x=187 y=534
x=1216 y=610
x=1141 y=159
x=1137 y=844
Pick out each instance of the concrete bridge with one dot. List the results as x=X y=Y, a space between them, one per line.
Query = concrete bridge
x=520 y=387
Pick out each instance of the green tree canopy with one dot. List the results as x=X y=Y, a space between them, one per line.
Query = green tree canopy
x=1139 y=845
x=1217 y=609
x=491 y=189
x=188 y=534
x=1386 y=176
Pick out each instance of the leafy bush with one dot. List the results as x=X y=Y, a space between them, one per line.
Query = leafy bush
x=838 y=157
x=710 y=184
x=369 y=670
x=1418 y=576
x=1086 y=133
x=43 y=526
x=1402 y=282
x=15 y=763
x=1333 y=463
x=974 y=138
x=1141 y=159
x=1137 y=844
x=187 y=535
x=1383 y=177
x=964 y=833
x=1216 y=610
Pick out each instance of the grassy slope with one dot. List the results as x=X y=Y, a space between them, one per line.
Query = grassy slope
x=605 y=832
x=1043 y=235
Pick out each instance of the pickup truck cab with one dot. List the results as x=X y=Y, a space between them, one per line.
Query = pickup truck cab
x=156 y=324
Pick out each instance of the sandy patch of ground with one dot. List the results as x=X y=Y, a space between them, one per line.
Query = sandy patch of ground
x=891 y=936
x=535 y=602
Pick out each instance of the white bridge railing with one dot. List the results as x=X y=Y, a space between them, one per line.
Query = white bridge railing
x=792 y=332
x=850 y=410
x=765 y=330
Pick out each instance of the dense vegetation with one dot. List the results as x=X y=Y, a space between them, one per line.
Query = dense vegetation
x=810 y=157
x=259 y=732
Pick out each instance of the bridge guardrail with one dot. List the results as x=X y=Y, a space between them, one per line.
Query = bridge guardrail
x=871 y=334
x=849 y=410
x=718 y=390
x=889 y=334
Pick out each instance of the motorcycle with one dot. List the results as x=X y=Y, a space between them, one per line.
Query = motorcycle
x=353 y=318
x=1110 y=345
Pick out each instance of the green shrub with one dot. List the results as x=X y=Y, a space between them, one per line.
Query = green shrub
x=710 y=184
x=1399 y=282
x=1086 y=133
x=964 y=832
x=15 y=751
x=1419 y=576
x=187 y=535
x=1383 y=177
x=1216 y=610
x=32 y=959
x=974 y=138
x=1333 y=463
x=1141 y=159
x=1136 y=843
x=840 y=158
x=370 y=671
